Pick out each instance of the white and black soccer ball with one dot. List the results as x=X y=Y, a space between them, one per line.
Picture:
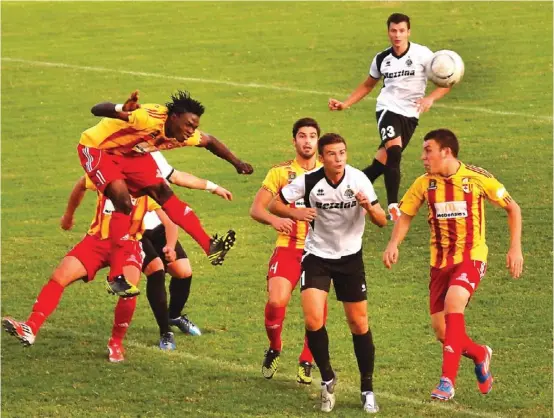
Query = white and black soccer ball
x=445 y=68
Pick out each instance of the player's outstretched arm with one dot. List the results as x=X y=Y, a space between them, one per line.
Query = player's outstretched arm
x=281 y=209
x=375 y=212
x=401 y=228
x=117 y=111
x=258 y=212
x=218 y=148
x=182 y=179
x=75 y=199
x=358 y=94
x=171 y=235
x=514 y=258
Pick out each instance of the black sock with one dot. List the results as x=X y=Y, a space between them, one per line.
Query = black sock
x=179 y=291
x=365 y=355
x=157 y=297
x=392 y=173
x=318 y=341
x=374 y=170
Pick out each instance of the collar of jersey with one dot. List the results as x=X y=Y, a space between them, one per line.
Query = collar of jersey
x=334 y=186
x=405 y=52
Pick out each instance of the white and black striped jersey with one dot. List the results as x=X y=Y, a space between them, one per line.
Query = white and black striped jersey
x=404 y=78
x=151 y=219
x=338 y=228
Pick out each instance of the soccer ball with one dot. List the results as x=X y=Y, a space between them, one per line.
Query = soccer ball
x=445 y=68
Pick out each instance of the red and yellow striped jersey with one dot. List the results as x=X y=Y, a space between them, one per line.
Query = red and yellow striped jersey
x=143 y=133
x=278 y=177
x=456 y=212
x=100 y=226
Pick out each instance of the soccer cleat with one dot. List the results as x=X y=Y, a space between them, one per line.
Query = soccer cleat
x=185 y=325
x=270 y=363
x=483 y=372
x=304 y=373
x=220 y=246
x=20 y=330
x=167 y=342
x=121 y=287
x=116 y=352
x=368 y=402
x=394 y=212
x=328 y=395
x=444 y=390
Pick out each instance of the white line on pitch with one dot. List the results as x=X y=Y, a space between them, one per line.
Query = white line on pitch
x=249 y=85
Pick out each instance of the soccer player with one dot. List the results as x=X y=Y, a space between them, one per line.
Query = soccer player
x=401 y=100
x=164 y=253
x=116 y=156
x=90 y=255
x=455 y=195
x=336 y=197
x=284 y=266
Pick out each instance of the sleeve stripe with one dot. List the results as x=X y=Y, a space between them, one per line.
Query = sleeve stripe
x=268 y=189
x=283 y=197
x=374 y=202
x=170 y=174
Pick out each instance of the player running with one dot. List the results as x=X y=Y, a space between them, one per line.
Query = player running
x=284 y=265
x=455 y=194
x=115 y=154
x=400 y=102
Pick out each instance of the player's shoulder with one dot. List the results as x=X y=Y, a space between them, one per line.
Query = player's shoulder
x=476 y=171
x=354 y=172
x=282 y=165
x=154 y=109
x=381 y=55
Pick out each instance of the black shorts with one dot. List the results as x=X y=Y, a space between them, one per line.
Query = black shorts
x=391 y=125
x=347 y=273
x=153 y=242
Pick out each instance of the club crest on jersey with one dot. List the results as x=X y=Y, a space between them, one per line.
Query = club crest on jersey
x=291 y=176
x=467 y=187
x=348 y=193
x=432 y=185
x=409 y=62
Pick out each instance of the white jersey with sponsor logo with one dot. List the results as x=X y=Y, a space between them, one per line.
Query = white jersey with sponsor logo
x=404 y=78
x=338 y=228
x=151 y=219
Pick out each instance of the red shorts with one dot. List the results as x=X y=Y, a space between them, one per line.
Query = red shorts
x=467 y=274
x=138 y=171
x=286 y=262
x=94 y=254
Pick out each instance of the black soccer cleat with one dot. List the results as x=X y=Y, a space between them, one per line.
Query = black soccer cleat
x=270 y=363
x=220 y=246
x=121 y=287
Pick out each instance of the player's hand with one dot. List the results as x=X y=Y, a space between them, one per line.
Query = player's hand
x=224 y=193
x=244 y=168
x=514 y=262
x=170 y=254
x=363 y=200
x=305 y=214
x=283 y=225
x=424 y=104
x=335 y=104
x=67 y=222
x=390 y=256
x=132 y=102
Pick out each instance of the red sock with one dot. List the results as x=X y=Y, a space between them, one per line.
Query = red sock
x=306 y=354
x=474 y=351
x=182 y=214
x=120 y=224
x=123 y=315
x=274 y=318
x=47 y=301
x=454 y=343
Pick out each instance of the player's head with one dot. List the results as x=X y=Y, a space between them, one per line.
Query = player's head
x=398 y=26
x=440 y=148
x=183 y=116
x=305 y=133
x=332 y=152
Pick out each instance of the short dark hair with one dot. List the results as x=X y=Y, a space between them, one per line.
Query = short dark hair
x=181 y=102
x=328 y=139
x=398 y=18
x=445 y=138
x=301 y=123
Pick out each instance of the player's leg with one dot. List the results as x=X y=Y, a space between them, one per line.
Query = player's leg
x=179 y=292
x=315 y=281
x=103 y=170
x=377 y=167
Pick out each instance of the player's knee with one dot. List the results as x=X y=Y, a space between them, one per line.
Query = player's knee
x=277 y=300
x=313 y=322
x=358 y=325
x=62 y=279
x=439 y=330
x=394 y=155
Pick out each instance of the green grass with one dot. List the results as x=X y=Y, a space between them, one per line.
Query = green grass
x=501 y=112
